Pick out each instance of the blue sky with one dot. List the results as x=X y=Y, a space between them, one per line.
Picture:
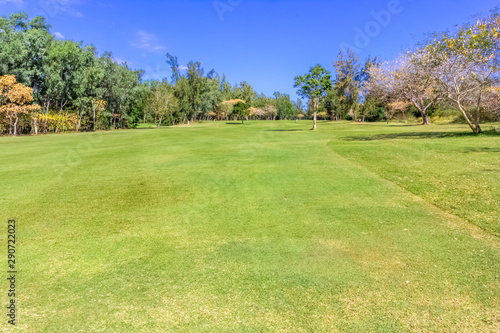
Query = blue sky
x=266 y=43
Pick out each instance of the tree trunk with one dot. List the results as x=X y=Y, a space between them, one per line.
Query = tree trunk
x=355 y=115
x=476 y=123
x=34 y=123
x=315 y=120
x=476 y=129
x=159 y=123
x=93 y=109
x=425 y=118
x=15 y=126
x=10 y=124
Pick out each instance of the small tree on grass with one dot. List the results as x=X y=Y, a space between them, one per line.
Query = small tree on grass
x=226 y=108
x=241 y=110
x=314 y=86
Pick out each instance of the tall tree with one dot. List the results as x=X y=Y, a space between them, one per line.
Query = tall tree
x=174 y=65
x=23 y=43
x=348 y=81
x=64 y=69
x=284 y=105
x=162 y=101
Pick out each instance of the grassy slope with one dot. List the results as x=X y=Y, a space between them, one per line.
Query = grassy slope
x=265 y=226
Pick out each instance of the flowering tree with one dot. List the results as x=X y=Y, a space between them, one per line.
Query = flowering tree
x=492 y=100
x=469 y=62
x=409 y=79
x=394 y=108
x=15 y=99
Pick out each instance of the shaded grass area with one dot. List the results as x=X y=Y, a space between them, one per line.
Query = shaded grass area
x=265 y=226
x=453 y=169
x=421 y=135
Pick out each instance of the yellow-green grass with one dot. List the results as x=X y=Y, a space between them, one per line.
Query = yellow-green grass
x=265 y=226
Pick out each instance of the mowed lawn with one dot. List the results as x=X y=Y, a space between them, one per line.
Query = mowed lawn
x=267 y=226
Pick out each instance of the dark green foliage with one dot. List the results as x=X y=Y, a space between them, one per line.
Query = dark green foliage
x=241 y=110
x=68 y=76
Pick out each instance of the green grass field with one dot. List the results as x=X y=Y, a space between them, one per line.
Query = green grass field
x=220 y=227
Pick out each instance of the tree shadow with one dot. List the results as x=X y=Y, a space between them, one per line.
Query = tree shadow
x=285 y=130
x=482 y=150
x=146 y=128
x=419 y=135
x=239 y=123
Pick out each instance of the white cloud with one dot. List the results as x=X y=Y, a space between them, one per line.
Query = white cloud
x=71 y=11
x=147 y=41
x=183 y=68
x=58 y=35
x=51 y=8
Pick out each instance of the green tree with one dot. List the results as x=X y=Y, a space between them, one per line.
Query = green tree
x=331 y=105
x=284 y=106
x=241 y=110
x=64 y=74
x=23 y=44
x=314 y=86
x=211 y=97
x=348 y=81
x=162 y=101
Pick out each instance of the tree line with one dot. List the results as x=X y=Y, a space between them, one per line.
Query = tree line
x=73 y=87
x=54 y=85
x=456 y=69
